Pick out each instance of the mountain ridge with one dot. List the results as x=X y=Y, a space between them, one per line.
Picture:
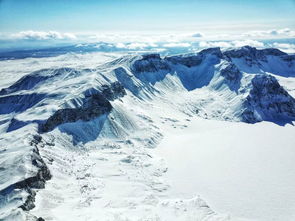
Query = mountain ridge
x=78 y=107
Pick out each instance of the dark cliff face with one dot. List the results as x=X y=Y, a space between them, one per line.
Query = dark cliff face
x=212 y=51
x=188 y=61
x=93 y=106
x=36 y=181
x=113 y=91
x=196 y=59
x=231 y=73
x=268 y=100
x=149 y=63
x=253 y=55
x=232 y=76
x=288 y=58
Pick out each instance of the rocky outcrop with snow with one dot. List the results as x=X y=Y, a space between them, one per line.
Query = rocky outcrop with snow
x=116 y=110
x=268 y=100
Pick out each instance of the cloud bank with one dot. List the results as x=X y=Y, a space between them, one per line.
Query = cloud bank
x=42 y=35
x=163 y=42
x=274 y=33
x=231 y=44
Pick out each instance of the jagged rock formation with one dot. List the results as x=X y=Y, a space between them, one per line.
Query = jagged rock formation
x=192 y=60
x=113 y=91
x=212 y=51
x=253 y=53
x=188 y=61
x=34 y=181
x=231 y=73
x=268 y=100
x=149 y=63
x=93 y=106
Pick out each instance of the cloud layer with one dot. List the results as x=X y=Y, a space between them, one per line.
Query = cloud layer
x=282 y=33
x=231 y=44
x=42 y=35
x=171 y=43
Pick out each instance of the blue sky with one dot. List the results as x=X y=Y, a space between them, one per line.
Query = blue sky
x=145 y=15
x=146 y=23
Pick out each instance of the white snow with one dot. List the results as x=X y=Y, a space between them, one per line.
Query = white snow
x=152 y=158
x=241 y=169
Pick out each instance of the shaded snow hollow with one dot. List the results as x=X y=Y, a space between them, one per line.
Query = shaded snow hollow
x=78 y=141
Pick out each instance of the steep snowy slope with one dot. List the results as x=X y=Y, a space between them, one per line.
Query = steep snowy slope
x=91 y=131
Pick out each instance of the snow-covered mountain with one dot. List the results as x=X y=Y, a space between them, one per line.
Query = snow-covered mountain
x=77 y=141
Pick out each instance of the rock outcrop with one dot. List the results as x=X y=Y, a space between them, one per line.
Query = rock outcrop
x=149 y=63
x=188 y=61
x=252 y=55
x=231 y=73
x=268 y=100
x=113 y=91
x=93 y=106
x=36 y=181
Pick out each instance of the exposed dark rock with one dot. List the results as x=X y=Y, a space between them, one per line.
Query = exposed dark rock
x=93 y=106
x=245 y=51
x=150 y=63
x=36 y=139
x=272 y=51
x=151 y=56
x=250 y=54
x=288 y=58
x=36 y=181
x=268 y=100
x=29 y=203
x=189 y=61
x=253 y=55
x=231 y=72
x=211 y=51
x=113 y=91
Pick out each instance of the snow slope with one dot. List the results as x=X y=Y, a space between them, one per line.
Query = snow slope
x=86 y=128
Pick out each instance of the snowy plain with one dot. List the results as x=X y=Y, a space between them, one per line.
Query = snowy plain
x=241 y=169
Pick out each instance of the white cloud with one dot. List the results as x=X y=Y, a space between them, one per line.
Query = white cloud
x=280 y=33
x=249 y=42
x=210 y=44
x=120 y=45
x=177 y=45
x=283 y=45
x=42 y=35
x=137 y=45
x=231 y=44
x=285 y=31
x=286 y=47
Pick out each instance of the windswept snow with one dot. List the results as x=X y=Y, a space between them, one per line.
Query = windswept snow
x=96 y=120
x=243 y=170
